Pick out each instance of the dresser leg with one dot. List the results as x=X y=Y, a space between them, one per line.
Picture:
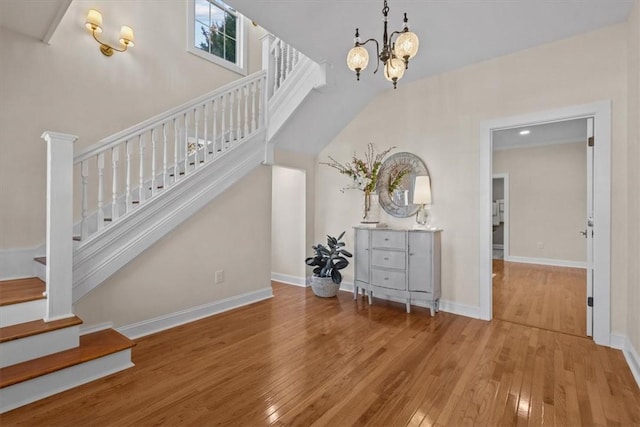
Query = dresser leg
x=355 y=292
x=433 y=310
x=370 y=302
x=408 y=305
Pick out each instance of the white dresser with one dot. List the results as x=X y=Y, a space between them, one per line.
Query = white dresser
x=398 y=263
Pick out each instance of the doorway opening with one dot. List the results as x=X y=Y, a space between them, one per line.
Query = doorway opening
x=288 y=225
x=542 y=280
x=599 y=223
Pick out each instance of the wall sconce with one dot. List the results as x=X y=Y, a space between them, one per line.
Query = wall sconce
x=94 y=24
x=422 y=197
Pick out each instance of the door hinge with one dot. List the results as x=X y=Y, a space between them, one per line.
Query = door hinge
x=590 y=141
x=590 y=302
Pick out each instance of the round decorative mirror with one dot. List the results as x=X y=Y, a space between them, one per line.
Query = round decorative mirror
x=399 y=169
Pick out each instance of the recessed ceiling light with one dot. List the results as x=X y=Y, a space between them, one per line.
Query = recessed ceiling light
x=525 y=132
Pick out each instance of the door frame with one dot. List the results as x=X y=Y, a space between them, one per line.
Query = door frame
x=601 y=113
x=506 y=250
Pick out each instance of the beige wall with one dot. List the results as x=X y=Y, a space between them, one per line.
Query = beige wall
x=288 y=221
x=308 y=164
x=633 y=310
x=70 y=87
x=547 y=200
x=438 y=118
x=232 y=233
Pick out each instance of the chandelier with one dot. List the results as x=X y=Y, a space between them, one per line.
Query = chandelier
x=394 y=55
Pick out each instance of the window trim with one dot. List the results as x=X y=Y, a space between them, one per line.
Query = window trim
x=241 y=43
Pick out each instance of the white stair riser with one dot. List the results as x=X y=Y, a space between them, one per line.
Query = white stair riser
x=41 y=271
x=23 y=312
x=23 y=349
x=44 y=386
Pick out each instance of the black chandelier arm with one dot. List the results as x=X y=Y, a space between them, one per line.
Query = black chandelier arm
x=377 y=51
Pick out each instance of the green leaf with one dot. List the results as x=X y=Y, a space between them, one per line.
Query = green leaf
x=336 y=277
x=345 y=253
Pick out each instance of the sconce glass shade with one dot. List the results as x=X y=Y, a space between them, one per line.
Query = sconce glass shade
x=357 y=58
x=394 y=69
x=407 y=45
x=126 y=36
x=422 y=190
x=94 y=21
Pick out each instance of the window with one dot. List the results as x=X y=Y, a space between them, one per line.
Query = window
x=216 y=33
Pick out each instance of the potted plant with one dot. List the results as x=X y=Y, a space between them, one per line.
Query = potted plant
x=327 y=263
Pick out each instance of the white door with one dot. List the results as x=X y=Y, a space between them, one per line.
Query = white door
x=589 y=227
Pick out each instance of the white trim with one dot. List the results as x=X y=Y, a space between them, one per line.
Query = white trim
x=498 y=246
x=167 y=321
x=515 y=146
x=23 y=312
x=84 y=330
x=601 y=112
x=546 y=261
x=18 y=263
x=289 y=280
x=242 y=47
x=39 y=345
x=55 y=21
x=43 y=386
x=622 y=342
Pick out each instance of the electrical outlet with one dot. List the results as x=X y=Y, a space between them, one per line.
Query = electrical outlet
x=219 y=277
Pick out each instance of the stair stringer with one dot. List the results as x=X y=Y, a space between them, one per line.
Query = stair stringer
x=97 y=258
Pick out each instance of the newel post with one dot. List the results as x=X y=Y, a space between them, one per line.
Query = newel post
x=59 y=224
x=268 y=63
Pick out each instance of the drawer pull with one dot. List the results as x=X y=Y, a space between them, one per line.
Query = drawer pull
x=411 y=254
x=386 y=239
x=386 y=258
x=386 y=278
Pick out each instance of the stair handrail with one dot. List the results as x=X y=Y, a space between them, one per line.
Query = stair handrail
x=118 y=137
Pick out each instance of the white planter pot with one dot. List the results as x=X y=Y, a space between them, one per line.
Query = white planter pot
x=324 y=287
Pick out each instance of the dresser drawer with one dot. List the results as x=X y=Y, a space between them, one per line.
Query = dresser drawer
x=389 y=239
x=388 y=259
x=388 y=279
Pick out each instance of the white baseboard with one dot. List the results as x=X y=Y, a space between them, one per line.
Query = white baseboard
x=622 y=342
x=289 y=280
x=18 y=263
x=89 y=329
x=446 y=306
x=161 y=323
x=546 y=261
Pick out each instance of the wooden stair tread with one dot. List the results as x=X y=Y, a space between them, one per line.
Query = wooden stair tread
x=41 y=259
x=92 y=346
x=21 y=290
x=35 y=327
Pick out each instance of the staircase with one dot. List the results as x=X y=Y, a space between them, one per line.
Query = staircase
x=128 y=191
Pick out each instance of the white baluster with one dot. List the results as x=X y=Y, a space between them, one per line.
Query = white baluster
x=164 y=156
x=253 y=106
x=153 y=162
x=245 y=118
x=223 y=136
x=261 y=104
x=276 y=71
x=84 y=225
x=141 y=169
x=127 y=201
x=196 y=117
x=287 y=57
x=214 y=144
x=238 y=111
x=205 y=154
x=176 y=144
x=100 y=215
x=186 y=144
x=231 y=129
x=115 y=157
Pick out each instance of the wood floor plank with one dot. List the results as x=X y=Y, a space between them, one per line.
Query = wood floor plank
x=301 y=360
x=543 y=296
x=21 y=290
x=27 y=329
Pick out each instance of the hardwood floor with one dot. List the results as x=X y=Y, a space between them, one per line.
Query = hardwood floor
x=543 y=296
x=301 y=360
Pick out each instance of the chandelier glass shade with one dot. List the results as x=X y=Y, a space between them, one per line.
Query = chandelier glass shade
x=394 y=56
